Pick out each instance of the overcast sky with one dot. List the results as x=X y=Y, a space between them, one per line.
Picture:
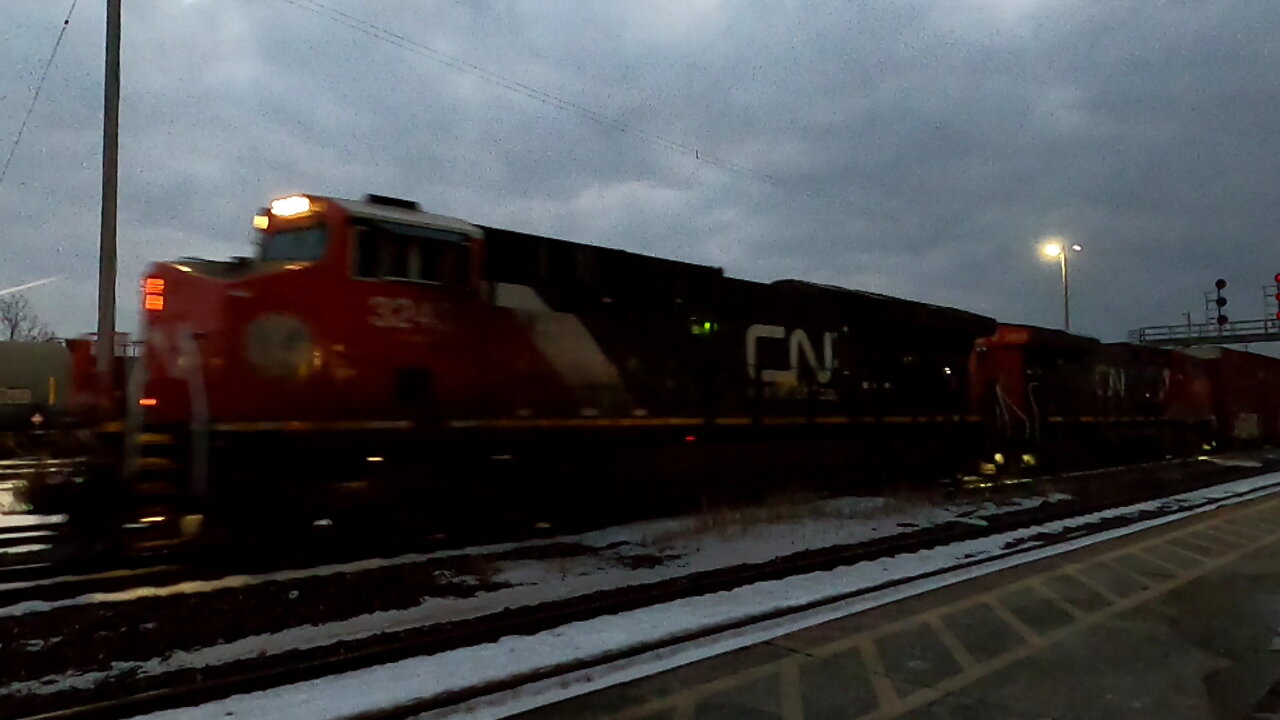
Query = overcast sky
x=917 y=148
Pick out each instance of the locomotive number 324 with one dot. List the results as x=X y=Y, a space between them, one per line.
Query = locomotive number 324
x=401 y=313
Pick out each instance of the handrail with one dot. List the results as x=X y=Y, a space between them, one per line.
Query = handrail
x=1261 y=330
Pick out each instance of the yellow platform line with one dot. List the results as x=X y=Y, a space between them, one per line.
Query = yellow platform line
x=886 y=695
x=1238 y=534
x=1073 y=572
x=1201 y=550
x=1186 y=553
x=1145 y=554
x=792 y=697
x=1058 y=600
x=1029 y=636
x=954 y=646
x=893 y=705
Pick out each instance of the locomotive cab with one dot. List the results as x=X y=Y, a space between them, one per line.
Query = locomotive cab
x=345 y=310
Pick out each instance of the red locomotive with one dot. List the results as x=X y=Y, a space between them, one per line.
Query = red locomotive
x=369 y=332
x=370 y=354
x=1075 y=402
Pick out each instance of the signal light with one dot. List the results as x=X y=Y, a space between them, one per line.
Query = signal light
x=147 y=402
x=1277 y=278
x=1220 y=301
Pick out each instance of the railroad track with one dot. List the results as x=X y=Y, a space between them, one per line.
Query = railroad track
x=187 y=687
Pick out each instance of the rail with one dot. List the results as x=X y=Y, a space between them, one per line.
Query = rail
x=1187 y=335
x=192 y=686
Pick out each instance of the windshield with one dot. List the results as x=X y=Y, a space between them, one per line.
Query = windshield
x=304 y=244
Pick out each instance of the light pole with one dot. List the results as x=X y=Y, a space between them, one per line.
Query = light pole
x=1059 y=249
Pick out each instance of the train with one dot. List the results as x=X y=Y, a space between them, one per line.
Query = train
x=370 y=354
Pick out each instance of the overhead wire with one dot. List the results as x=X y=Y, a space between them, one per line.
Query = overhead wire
x=451 y=61
x=44 y=74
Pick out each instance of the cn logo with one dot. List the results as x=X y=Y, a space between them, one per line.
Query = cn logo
x=1109 y=381
x=797 y=344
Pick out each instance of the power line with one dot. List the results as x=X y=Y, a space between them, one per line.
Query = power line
x=390 y=37
x=39 y=86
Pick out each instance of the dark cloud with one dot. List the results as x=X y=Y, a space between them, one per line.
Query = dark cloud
x=919 y=148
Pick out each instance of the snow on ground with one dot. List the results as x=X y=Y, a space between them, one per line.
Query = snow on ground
x=12 y=517
x=687 y=544
x=401 y=682
x=631 y=554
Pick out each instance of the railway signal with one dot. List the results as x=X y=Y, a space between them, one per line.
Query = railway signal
x=1221 y=302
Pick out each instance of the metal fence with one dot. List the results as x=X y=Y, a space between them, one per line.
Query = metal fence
x=1244 y=331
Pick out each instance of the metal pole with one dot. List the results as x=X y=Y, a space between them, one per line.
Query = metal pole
x=107 y=239
x=1066 y=292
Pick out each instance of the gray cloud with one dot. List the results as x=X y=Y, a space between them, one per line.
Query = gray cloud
x=920 y=148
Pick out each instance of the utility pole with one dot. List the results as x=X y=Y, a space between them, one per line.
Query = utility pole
x=110 y=169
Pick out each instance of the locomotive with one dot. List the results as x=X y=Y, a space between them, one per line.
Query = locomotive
x=1073 y=402
x=372 y=355
x=369 y=339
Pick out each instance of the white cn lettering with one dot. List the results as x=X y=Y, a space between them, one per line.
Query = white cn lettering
x=797 y=344
x=800 y=341
x=754 y=333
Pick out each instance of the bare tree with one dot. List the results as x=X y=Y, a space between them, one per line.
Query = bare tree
x=18 y=321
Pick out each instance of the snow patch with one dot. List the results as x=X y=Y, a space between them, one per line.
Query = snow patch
x=409 y=680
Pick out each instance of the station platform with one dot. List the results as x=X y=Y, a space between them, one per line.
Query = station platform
x=1179 y=621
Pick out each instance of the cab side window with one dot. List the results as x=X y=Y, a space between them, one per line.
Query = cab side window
x=404 y=252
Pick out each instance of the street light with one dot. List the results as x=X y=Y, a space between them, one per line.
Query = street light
x=1057 y=248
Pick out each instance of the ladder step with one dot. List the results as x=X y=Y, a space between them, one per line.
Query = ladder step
x=156 y=463
x=154 y=488
x=148 y=438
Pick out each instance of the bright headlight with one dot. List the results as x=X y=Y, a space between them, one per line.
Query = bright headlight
x=291 y=206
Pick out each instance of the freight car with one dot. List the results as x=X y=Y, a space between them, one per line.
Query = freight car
x=34 y=388
x=1246 y=396
x=1071 y=402
x=372 y=348
x=34 y=380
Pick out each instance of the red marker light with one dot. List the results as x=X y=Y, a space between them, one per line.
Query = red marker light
x=153 y=293
x=690 y=438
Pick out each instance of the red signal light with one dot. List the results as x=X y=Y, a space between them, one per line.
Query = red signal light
x=1277 y=278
